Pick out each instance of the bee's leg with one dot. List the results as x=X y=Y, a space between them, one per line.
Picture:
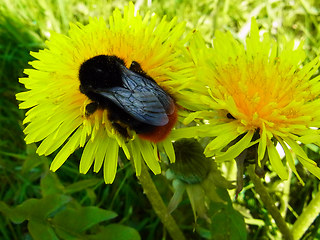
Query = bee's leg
x=135 y=67
x=91 y=108
x=121 y=130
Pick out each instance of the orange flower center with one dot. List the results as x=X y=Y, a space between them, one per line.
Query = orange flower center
x=261 y=92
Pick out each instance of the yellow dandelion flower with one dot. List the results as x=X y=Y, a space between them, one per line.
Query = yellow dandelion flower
x=257 y=96
x=104 y=87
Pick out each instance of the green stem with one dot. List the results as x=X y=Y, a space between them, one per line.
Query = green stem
x=309 y=214
x=158 y=205
x=285 y=195
x=269 y=204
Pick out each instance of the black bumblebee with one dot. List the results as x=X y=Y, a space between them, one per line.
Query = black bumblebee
x=132 y=98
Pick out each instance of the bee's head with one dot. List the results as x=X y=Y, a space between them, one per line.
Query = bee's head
x=100 y=72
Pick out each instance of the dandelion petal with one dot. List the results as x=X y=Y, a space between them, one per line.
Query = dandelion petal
x=64 y=153
x=276 y=162
x=111 y=161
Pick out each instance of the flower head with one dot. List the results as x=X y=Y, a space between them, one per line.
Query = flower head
x=72 y=103
x=259 y=95
x=198 y=175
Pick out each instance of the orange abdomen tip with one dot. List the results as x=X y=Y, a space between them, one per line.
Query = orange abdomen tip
x=159 y=134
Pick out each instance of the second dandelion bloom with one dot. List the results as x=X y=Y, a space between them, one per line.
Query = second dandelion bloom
x=258 y=96
x=104 y=88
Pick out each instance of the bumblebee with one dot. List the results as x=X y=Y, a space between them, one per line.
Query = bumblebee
x=132 y=98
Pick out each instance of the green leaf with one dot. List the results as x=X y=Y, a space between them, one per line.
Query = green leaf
x=34 y=209
x=227 y=223
x=50 y=184
x=116 y=232
x=41 y=231
x=79 y=220
x=204 y=233
x=14 y=216
x=215 y=185
x=31 y=161
x=81 y=185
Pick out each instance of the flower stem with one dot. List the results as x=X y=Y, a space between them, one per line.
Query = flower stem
x=158 y=205
x=285 y=196
x=269 y=204
x=310 y=213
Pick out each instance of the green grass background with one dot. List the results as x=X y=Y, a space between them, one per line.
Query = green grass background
x=24 y=27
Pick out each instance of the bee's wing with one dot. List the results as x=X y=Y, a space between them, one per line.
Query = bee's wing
x=143 y=106
x=141 y=97
x=138 y=83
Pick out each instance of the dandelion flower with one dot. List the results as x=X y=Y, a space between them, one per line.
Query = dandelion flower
x=64 y=112
x=258 y=96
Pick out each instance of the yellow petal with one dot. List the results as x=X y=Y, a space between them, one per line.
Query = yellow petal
x=262 y=144
x=219 y=142
x=137 y=158
x=101 y=151
x=236 y=149
x=276 y=162
x=148 y=156
x=88 y=155
x=111 y=161
x=290 y=159
x=168 y=148
x=56 y=139
x=311 y=166
x=65 y=152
